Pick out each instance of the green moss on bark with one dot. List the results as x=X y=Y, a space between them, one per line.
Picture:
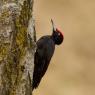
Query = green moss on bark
x=16 y=49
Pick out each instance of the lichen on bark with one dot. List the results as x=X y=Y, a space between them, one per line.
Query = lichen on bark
x=17 y=47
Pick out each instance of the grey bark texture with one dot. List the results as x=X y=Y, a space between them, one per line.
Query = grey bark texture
x=17 y=47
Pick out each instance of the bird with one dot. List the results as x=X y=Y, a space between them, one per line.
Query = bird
x=44 y=52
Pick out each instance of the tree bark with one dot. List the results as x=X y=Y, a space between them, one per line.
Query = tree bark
x=17 y=47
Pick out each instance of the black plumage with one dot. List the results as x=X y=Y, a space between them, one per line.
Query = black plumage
x=44 y=53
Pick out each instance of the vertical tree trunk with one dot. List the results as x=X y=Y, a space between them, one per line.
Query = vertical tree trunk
x=17 y=47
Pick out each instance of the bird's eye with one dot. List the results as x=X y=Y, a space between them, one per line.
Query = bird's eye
x=58 y=34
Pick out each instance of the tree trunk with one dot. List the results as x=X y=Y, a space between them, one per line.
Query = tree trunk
x=17 y=47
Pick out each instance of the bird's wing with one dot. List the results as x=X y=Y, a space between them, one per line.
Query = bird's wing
x=40 y=67
x=41 y=62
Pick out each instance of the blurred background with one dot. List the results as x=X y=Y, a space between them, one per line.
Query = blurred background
x=72 y=68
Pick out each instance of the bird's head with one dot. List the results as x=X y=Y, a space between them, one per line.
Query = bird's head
x=57 y=35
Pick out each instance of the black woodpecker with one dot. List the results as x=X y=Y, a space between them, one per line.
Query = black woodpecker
x=44 y=53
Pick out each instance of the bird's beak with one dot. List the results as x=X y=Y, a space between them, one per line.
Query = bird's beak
x=53 y=25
